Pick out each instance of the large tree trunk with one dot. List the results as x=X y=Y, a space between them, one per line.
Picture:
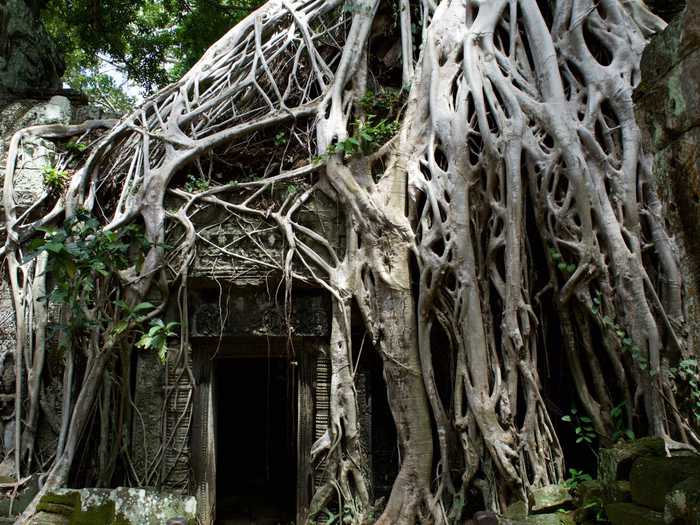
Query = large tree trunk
x=407 y=397
x=514 y=207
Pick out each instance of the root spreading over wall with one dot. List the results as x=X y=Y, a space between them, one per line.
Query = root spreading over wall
x=512 y=196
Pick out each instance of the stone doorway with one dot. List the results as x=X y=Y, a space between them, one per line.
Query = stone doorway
x=256 y=463
x=253 y=425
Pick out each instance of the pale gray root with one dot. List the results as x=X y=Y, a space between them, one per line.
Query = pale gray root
x=516 y=185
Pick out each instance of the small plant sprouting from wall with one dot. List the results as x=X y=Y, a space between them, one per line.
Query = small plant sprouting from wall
x=54 y=179
x=156 y=338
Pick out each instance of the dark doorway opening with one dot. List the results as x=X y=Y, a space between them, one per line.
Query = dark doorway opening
x=256 y=441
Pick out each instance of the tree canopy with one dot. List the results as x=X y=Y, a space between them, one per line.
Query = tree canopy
x=149 y=42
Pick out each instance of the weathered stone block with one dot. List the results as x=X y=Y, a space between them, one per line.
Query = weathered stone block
x=57 y=110
x=551 y=518
x=516 y=511
x=683 y=502
x=550 y=497
x=652 y=478
x=149 y=399
x=120 y=506
x=247 y=312
x=29 y=59
x=595 y=490
x=46 y=518
x=631 y=514
x=668 y=112
x=615 y=463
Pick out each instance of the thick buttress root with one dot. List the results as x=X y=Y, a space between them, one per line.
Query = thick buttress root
x=517 y=179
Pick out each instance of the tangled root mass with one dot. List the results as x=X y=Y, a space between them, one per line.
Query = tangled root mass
x=512 y=202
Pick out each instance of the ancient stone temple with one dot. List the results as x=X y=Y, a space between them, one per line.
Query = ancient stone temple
x=231 y=418
x=236 y=414
x=381 y=321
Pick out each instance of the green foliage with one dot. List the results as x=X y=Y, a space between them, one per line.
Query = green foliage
x=54 y=179
x=560 y=262
x=83 y=259
x=622 y=431
x=368 y=137
x=196 y=184
x=595 y=506
x=280 y=138
x=76 y=148
x=135 y=315
x=583 y=426
x=81 y=255
x=688 y=371
x=576 y=477
x=150 y=41
x=157 y=338
x=372 y=136
x=385 y=102
x=100 y=88
x=626 y=342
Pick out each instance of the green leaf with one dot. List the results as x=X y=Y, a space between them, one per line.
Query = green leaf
x=141 y=307
x=54 y=247
x=120 y=327
x=566 y=418
x=144 y=342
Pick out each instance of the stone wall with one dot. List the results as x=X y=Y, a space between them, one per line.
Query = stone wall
x=668 y=111
x=37 y=153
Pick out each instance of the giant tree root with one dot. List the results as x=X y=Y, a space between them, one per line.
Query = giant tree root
x=517 y=179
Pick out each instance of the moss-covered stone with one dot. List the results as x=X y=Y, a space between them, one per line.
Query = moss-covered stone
x=683 y=502
x=48 y=518
x=550 y=497
x=668 y=112
x=652 y=478
x=551 y=518
x=615 y=463
x=631 y=514
x=64 y=504
x=98 y=514
x=516 y=511
x=121 y=506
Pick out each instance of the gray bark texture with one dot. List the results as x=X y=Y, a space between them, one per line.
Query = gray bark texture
x=515 y=196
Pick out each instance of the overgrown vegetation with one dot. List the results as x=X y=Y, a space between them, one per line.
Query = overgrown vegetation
x=83 y=262
x=487 y=216
x=54 y=179
x=148 y=42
